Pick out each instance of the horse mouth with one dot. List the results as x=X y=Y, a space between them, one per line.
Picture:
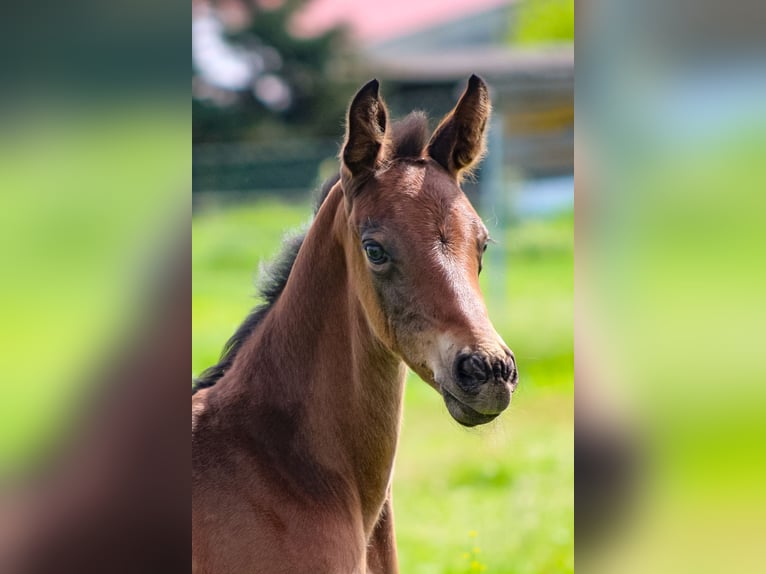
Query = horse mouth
x=464 y=414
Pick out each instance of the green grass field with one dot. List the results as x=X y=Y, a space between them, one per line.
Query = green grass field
x=495 y=499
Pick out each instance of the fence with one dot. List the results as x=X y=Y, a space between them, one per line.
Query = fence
x=286 y=167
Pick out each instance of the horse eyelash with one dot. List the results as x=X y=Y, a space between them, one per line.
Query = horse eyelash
x=487 y=243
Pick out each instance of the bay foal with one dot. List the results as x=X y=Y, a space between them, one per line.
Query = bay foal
x=294 y=432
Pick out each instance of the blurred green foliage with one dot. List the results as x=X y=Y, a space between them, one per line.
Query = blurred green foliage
x=543 y=22
x=89 y=197
x=511 y=483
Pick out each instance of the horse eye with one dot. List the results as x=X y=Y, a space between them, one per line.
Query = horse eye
x=481 y=258
x=375 y=253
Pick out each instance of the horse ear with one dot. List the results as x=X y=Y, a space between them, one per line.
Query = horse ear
x=458 y=142
x=365 y=133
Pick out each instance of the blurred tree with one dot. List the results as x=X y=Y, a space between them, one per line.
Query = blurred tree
x=544 y=22
x=253 y=79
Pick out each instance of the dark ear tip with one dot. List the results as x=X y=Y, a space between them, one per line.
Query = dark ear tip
x=476 y=82
x=370 y=88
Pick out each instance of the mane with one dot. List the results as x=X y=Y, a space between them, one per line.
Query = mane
x=409 y=137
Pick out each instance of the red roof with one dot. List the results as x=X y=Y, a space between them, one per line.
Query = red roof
x=386 y=19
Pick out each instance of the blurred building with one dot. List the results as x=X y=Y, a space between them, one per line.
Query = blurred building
x=423 y=53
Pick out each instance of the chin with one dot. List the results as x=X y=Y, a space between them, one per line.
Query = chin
x=465 y=414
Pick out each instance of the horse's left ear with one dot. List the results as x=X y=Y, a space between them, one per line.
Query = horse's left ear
x=459 y=142
x=365 y=135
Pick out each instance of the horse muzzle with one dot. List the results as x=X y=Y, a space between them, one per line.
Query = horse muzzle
x=480 y=387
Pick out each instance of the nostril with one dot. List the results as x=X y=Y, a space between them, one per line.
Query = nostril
x=472 y=366
x=472 y=371
x=511 y=364
x=500 y=370
x=513 y=372
x=480 y=368
x=504 y=369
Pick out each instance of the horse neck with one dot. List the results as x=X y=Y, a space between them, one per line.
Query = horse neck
x=317 y=357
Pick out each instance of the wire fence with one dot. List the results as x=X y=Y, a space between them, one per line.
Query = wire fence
x=288 y=167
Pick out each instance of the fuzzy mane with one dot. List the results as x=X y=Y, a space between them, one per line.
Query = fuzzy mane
x=408 y=140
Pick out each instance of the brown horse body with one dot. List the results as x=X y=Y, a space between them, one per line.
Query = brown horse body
x=293 y=446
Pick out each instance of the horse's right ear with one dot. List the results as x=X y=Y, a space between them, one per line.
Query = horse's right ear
x=365 y=136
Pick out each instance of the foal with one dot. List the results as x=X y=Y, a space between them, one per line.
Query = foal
x=294 y=433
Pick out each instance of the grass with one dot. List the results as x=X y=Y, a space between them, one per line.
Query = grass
x=497 y=499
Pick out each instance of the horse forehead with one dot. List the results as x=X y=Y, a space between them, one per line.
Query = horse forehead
x=412 y=197
x=417 y=188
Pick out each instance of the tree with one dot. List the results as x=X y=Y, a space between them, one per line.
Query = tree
x=544 y=22
x=257 y=80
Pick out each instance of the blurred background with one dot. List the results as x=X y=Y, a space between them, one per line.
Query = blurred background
x=670 y=314
x=95 y=202
x=271 y=81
